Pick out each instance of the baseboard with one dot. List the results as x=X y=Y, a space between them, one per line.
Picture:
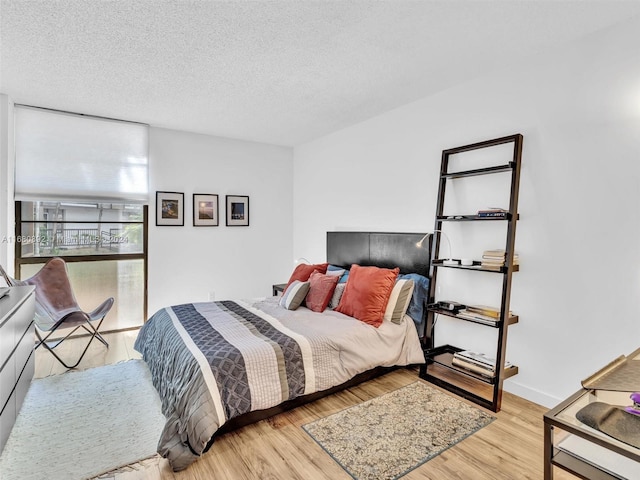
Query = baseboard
x=531 y=394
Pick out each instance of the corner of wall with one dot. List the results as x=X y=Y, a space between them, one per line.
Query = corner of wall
x=7 y=215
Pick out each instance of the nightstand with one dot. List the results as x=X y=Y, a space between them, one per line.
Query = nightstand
x=278 y=288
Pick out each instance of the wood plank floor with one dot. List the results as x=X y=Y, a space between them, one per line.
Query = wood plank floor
x=278 y=448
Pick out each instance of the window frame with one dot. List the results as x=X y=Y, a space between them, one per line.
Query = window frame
x=20 y=260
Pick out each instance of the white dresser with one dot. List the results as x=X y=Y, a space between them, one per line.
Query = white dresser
x=17 y=341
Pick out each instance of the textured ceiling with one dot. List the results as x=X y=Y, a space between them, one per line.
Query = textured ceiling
x=281 y=72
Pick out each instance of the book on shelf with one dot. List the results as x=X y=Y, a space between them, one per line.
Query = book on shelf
x=477 y=316
x=484 y=310
x=497 y=255
x=494 y=266
x=479 y=358
x=493 y=212
x=496 y=258
x=474 y=359
x=473 y=367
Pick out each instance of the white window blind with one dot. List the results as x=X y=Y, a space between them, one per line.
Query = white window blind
x=64 y=156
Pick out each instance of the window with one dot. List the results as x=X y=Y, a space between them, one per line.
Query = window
x=104 y=246
x=81 y=193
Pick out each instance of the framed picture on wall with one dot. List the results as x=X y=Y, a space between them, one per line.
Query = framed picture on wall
x=205 y=210
x=237 y=211
x=170 y=209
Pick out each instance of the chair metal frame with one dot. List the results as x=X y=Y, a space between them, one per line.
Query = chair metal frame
x=51 y=314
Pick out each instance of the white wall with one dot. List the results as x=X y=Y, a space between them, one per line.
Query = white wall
x=579 y=111
x=186 y=263
x=7 y=231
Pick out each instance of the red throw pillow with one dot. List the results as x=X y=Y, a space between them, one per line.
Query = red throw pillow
x=321 y=291
x=367 y=293
x=303 y=271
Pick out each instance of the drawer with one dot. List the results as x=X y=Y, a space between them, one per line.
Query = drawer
x=7 y=380
x=14 y=327
x=7 y=419
x=7 y=339
x=24 y=349
x=23 y=317
x=24 y=382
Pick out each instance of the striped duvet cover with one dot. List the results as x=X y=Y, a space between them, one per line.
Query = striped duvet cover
x=212 y=362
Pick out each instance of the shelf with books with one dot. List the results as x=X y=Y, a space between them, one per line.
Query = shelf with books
x=477 y=266
x=494 y=259
x=474 y=318
x=444 y=356
x=439 y=368
x=478 y=363
x=472 y=218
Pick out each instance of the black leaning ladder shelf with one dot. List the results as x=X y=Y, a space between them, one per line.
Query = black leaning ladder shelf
x=439 y=368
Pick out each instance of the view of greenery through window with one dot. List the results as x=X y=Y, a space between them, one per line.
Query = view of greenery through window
x=82 y=234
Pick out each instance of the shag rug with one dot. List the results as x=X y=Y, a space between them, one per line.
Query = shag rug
x=80 y=424
x=390 y=435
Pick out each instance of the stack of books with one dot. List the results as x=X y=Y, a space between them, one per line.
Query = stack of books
x=494 y=259
x=484 y=310
x=476 y=362
x=493 y=212
x=481 y=312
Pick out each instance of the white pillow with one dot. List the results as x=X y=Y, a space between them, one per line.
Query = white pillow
x=399 y=301
x=337 y=295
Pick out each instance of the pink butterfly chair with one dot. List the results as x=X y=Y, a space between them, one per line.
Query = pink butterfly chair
x=57 y=308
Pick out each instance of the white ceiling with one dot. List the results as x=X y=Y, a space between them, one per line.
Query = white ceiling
x=280 y=72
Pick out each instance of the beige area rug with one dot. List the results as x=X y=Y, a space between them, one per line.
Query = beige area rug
x=81 y=424
x=390 y=435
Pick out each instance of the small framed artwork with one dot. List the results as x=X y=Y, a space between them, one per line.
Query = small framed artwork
x=205 y=210
x=170 y=209
x=237 y=211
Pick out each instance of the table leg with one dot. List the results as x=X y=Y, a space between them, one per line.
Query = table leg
x=548 y=452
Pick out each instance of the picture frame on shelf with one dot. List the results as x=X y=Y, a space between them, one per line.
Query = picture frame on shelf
x=169 y=209
x=205 y=210
x=237 y=211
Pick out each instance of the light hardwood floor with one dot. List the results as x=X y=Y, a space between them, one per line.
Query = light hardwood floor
x=509 y=448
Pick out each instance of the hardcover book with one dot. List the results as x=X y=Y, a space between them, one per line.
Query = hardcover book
x=473 y=367
x=477 y=316
x=484 y=310
x=479 y=358
x=492 y=214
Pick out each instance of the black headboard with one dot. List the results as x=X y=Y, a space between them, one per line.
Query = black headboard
x=388 y=250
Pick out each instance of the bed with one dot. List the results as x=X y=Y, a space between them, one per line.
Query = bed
x=221 y=365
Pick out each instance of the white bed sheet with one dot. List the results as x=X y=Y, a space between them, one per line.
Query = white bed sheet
x=354 y=346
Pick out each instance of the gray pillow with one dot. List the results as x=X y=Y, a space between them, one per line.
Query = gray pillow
x=294 y=295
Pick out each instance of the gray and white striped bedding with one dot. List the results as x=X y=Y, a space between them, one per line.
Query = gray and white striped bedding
x=214 y=361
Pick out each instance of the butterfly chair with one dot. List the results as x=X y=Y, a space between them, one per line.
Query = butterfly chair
x=57 y=308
